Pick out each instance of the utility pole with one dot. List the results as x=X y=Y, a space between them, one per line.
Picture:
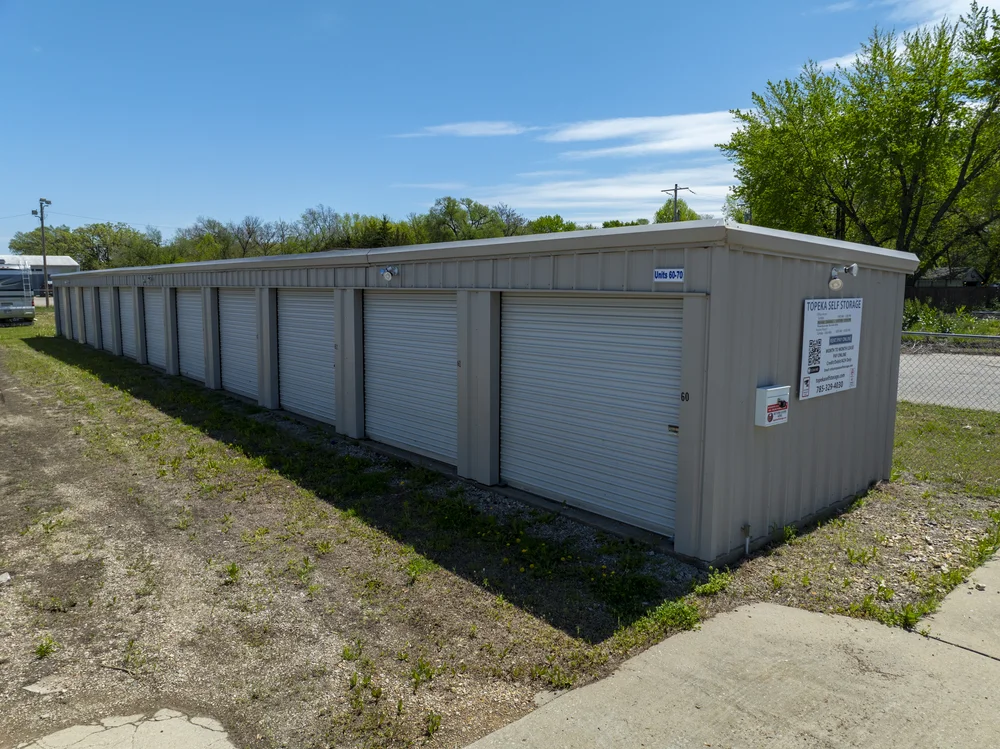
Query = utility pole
x=42 y=202
x=675 y=191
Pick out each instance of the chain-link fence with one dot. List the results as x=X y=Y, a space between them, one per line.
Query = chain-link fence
x=950 y=369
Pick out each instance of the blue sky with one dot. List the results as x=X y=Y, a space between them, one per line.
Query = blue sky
x=157 y=113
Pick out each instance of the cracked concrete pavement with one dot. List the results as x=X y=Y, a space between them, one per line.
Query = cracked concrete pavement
x=166 y=729
x=770 y=676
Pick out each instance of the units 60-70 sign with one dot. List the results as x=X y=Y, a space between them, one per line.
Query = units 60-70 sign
x=831 y=340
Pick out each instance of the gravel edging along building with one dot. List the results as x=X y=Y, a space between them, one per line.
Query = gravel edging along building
x=704 y=381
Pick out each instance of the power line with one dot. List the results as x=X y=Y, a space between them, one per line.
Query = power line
x=16 y=215
x=130 y=223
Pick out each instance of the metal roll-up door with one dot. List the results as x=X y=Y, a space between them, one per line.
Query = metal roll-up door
x=238 y=340
x=127 y=312
x=89 y=318
x=107 y=339
x=156 y=348
x=590 y=402
x=306 y=355
x=190 y=334
x=411 y=383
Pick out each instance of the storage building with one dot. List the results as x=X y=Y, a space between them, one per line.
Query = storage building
x=704 y=381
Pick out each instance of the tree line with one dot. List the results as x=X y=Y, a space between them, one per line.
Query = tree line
x=118 y=245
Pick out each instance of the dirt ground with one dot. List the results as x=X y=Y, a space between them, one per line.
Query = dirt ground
x=174 y=547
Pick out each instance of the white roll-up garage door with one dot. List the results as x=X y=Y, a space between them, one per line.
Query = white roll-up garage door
x=156 y=349
x=190 y=334
x=238 y=340
x=306 y=355
x=127 y=312
x=107 y=340
x=89 y=318
x=590 y=402
x=411 y=383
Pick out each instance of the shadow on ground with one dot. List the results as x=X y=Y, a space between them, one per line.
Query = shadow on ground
x=586 y=592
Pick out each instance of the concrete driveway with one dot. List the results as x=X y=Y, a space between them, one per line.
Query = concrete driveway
x=958 y=380
x=769 y=676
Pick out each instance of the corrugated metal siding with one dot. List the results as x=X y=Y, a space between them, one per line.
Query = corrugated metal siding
x=89 y=321
x=190 y=334
x=238 y=340
x=156 y=349
x=832 y=447
x=411 y=384
x=78 y=328
x=66 y=303
x=306 y=353
x=107 y=340
x=127 y=312
x=589 y=390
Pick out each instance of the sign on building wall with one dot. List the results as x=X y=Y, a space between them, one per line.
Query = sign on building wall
x=831 y=340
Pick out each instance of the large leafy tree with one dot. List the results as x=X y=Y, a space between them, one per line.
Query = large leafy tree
x=665 y=213
x=901 y=149
x=59 y=240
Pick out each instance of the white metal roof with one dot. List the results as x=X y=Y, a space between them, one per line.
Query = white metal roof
x=59 y=261
x=706 y=232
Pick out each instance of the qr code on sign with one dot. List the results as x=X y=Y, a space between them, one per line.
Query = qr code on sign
x=815 y=349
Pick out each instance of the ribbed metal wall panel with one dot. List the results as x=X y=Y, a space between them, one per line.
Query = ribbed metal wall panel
x=66 y=302
x=127 y=312
x=156 y=348
x=590 y=388
x=306 y=354
x=832 y=447
x=238 y=340
x=107 y=340
x=191 y=334
x=78 y=329
x=411 y=383
x=89 y=321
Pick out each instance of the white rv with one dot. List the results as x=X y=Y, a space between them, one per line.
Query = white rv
x=17 y=300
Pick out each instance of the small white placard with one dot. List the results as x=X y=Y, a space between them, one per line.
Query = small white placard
x=668 y=275
x=831 y=340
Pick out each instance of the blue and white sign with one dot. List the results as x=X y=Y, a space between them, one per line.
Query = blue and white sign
x=668 y=275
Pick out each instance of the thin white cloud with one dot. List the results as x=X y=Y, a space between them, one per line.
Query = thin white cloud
x=683 y=133
x=678 y=133
x=841 y=7
x=923 y=12
x=917 y=14
x=478 y=129
x=625 y=196
x=843 y=61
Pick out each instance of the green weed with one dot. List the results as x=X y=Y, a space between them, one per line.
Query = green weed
x=46 y=646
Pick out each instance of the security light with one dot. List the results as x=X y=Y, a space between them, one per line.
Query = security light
x=836 y=282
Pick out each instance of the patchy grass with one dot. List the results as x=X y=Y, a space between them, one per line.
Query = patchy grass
x=899 y=550
x=348 y=599
x=345 y=598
